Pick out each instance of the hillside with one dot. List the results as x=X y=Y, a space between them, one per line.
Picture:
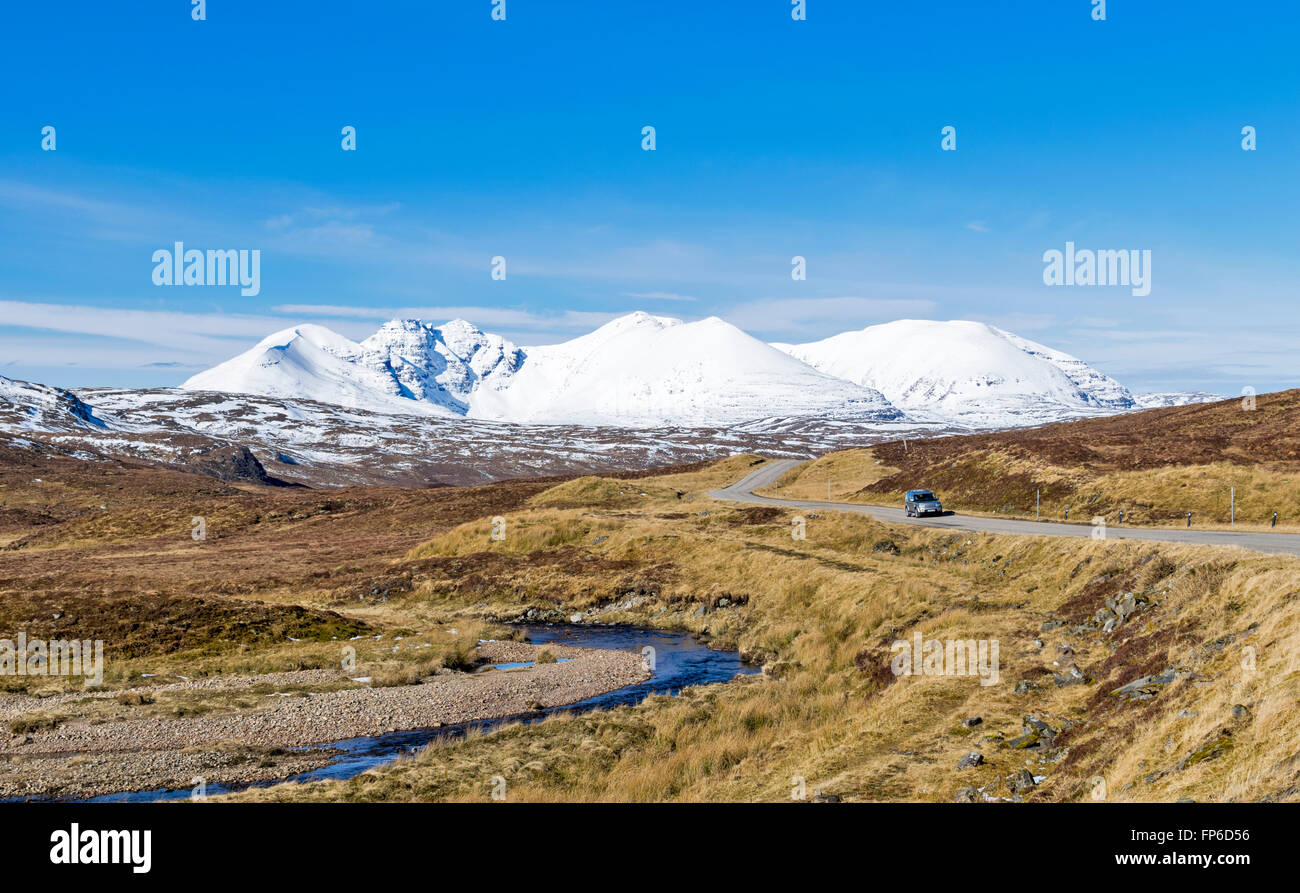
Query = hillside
x=327 y=445
x=1155 y=466
x=1127 y=672
x=1166 y=671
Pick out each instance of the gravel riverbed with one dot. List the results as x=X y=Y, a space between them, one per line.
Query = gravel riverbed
x=83 y=759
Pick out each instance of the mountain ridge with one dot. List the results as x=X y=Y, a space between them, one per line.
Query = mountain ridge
x=967 y=371
x=641 y=370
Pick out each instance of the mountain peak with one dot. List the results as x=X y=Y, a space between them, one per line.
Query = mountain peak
x=645 y=370
x=402 y=325
x=639 y=319
x=639 y=369
x=460 y=325
x=965 y=370
x=310 y=332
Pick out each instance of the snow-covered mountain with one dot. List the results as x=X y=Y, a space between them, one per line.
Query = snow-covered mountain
x=652 y=370
x=634 y=371
x=415 y=403
x=407 y=366
x=443 y=365
x=1175 y=398
x=967 y=372
x=641 y=370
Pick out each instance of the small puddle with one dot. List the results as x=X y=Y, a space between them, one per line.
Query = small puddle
x=680 y=660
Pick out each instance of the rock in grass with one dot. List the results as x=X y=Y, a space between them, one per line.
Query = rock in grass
x=1211 y=751
x=1021 y=782
x=1024 y=741
x=1074 y=677
x=970 y=761
x=1146 y=687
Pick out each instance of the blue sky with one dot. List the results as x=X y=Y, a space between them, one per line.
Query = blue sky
x=775 y=138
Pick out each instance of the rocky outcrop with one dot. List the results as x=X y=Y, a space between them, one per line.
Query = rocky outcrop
x=233 y=464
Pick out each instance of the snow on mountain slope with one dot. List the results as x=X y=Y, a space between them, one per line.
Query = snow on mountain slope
x=323 y=444
x=649 y=370
x=652 y=370
x=1175 y=398
x=406 y=366
x=313 y=363
x=967 y=372
x=443 y=365
x=1100 y=389
x=39 y=407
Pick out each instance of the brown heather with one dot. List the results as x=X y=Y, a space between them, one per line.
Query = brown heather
x=819 y=614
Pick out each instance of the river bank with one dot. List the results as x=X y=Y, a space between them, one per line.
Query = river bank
x=80 y=757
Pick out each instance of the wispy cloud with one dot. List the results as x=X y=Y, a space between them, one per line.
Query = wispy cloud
x=314 y=216
x=192 y=331
x=52 y=335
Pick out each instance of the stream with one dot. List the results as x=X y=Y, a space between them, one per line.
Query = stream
x=680 y=660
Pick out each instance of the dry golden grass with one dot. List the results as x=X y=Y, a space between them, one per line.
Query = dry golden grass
x=684 y=487
x=846 y=472
x=821 y=614
x=996 y=482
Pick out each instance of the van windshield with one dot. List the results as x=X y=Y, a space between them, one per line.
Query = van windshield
x=922 y=496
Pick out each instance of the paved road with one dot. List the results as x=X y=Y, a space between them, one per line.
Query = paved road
x=743 y=491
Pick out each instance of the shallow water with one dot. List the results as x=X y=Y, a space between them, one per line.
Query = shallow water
x=680 y=660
